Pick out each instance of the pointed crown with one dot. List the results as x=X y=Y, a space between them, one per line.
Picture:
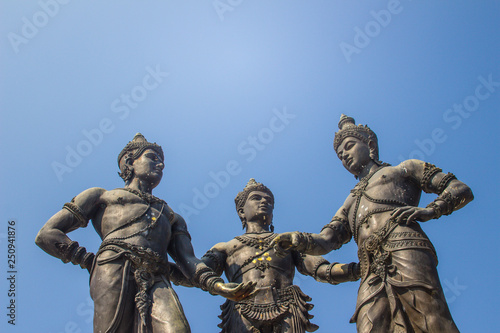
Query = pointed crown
x=136 y=147
x=251 y=186
x=347 y=127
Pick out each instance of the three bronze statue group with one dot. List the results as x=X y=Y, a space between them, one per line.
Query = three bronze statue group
x=130 y=275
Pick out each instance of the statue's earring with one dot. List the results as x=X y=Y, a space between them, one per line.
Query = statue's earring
x=242 y=217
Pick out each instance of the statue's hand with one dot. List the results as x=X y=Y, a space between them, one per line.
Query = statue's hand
x=408 y=214
x=286 y=242
x=234 y=291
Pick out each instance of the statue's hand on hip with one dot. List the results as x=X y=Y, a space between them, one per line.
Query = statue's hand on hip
x=408 y=214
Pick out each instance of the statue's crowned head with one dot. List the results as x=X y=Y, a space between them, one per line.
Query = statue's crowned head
x=132 y=151
x=347 y=128
x=242 y=196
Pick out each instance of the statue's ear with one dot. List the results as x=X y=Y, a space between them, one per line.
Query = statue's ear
x=373 y=150
x=241 y=213
x=372 y=144
x=129 y=161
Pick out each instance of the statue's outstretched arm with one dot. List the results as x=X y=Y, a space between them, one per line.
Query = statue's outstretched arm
x=452 y=193
x=213 y=258
x=324 y=271
x=332 y=236
x=52 y=237
x=202 y=276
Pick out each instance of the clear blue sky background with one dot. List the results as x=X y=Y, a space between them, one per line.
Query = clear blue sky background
x=66 y=70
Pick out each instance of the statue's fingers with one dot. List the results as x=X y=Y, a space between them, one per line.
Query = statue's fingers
x=396 y=212
x=403 y=216
x=238 y=288
x=249 y=286
x=250 y=294
x=250 y=290
x=412 y=217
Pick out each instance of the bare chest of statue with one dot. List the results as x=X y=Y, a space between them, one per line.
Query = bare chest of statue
x=127 y=217
x=251 y=259
x=375 y=197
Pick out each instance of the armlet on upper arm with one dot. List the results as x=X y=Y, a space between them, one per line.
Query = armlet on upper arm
x=340 y=227
x=214 y=260
x=77 y=213
x=430 y=170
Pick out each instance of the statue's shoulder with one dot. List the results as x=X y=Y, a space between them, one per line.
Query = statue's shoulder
x=222 y=246
x=412 y=168
x=229 y=247
x=114 y=195
x=93 y=194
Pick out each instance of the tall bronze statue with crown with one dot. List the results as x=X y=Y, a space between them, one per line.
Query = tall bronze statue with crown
x=400 y=289
x=130 y=274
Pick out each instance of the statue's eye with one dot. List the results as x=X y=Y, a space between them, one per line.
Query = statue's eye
x=349 y=145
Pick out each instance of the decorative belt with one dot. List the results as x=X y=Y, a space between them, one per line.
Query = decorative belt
x=270 y=304
x=379 y=245
x=147 y=265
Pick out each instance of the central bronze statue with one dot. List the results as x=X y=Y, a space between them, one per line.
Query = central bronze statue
x=400 y=289
x=130 y=274
x=277 y=306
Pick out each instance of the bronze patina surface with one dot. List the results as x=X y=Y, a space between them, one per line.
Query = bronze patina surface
x=277 y=305
x=400 y=289
x=130 y=273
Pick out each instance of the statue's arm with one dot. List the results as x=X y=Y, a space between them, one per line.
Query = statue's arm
x=215 y=258
x=76 y=214
x=323 y=271
x=201 y=275
x=332 y=236
x=452 y=193
x=181 y=249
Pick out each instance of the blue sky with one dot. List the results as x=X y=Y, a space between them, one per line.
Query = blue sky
x=251 y=89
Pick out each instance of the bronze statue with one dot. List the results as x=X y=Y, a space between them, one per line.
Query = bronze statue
x=129 y=274
x=400 y=289
x=277 y=305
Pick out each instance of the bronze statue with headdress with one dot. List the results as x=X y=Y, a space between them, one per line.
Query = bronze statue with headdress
x=130 y=276
x=277 y=305
x=400 y=289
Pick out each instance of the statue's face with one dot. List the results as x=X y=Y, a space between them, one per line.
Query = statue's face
x=259 y=204
x=149 y=167
x=354 y=154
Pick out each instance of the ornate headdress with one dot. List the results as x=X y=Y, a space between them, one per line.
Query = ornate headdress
x=251 y=186
x=347 y=127
x=133 y=150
